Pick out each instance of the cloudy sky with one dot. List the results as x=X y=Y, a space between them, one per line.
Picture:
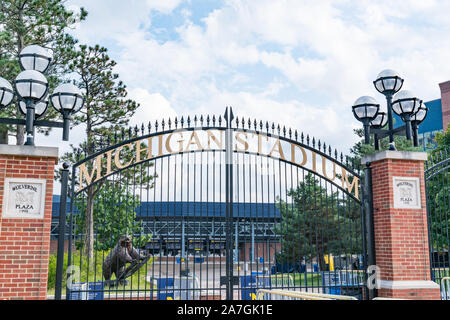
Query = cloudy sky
x=299 y=63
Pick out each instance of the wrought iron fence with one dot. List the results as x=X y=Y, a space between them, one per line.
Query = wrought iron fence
x=213 y=215
x=437 y=179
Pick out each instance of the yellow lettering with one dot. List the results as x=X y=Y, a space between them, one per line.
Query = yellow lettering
x=324 y=169
x=160 y=146
x=240 y=140
x=277 y=148
x=212 y=137
x=314 y=161
x=346 y=183
x=140 y=149
x=194 y=140
x=97 y=168
x=304 y=159
x=260 y=142
x=180 y=143
x=108 y=162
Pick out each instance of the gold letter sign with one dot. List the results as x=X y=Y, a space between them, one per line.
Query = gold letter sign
x=129 y=154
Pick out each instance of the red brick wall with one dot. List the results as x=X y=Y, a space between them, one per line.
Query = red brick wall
x=25 y=243
x=410 y=294
x=401 y=235
x=445 y=100
x=262 y=249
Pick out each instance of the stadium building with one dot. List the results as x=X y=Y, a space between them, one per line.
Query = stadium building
x=437 y=119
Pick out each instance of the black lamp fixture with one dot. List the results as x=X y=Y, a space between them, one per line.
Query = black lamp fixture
x=403 y=103
x=365 y=109
x=31 y=89
x=67 y=100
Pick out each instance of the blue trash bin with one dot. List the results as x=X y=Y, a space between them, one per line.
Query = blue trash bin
x=87 y=291
x=248 y=285
x=334 y=290
x=199 y=259
x=163 y=286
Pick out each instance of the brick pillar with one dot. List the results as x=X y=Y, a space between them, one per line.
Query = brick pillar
x=445 y=101
x=26 y=191
x=400 y=225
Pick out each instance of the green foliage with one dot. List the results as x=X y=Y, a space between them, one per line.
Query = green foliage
x=42 y=22
x=106 y=106
x=360 y=149
x=316 y=223
x=443 y=142
x=438 y=193
x=114 y=215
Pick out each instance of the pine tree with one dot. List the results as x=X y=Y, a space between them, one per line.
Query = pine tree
x=41 y=22
x=317 y=222
x=106 y=109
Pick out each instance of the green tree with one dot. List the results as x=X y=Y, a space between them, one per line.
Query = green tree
x=443 y=142
x=317 y=222
x=114 y=215
x=106 y=108
x=42 y=22
x=438 y=192
x=360 y=149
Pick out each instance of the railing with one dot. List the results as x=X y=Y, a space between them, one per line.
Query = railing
x=445 y=288
x=276 y=294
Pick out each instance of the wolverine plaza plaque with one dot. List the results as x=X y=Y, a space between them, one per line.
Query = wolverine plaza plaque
x=406 y=193
x=24 y=198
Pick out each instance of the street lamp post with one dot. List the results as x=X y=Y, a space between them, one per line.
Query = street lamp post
x=31 y=89
x=403 y=103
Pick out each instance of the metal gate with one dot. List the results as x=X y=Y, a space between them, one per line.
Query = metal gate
x=214 y=208
x=437 y=176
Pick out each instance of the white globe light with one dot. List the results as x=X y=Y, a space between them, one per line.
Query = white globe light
x=39 y=108
x=388 y=81
x=380 y=120
x=35 y=57
x=6 y=93
x=31 y=84
x=405 y=103
x=67 y=97
x=420 y=115
x=365 y=108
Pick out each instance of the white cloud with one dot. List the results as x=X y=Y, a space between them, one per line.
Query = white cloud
x=165 y=6
x=328 y=51
x=153 y=107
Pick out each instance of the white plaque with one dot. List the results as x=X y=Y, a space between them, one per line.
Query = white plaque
x=24 y=198
x=407 y=193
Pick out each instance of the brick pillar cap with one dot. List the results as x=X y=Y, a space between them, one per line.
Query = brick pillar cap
x=445 y=86
x=398 y=155
x=28 y=151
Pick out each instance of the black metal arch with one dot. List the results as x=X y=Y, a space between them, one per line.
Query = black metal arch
x=229 y=194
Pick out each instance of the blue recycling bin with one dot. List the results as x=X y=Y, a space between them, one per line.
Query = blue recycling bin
x=249 y=285
x=86 y=291
x=162 y=286
x=334 y=290
x=199 y=259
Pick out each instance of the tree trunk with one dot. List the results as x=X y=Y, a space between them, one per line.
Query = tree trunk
x=89 y=225
x=20 y=135
x=3 y=135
